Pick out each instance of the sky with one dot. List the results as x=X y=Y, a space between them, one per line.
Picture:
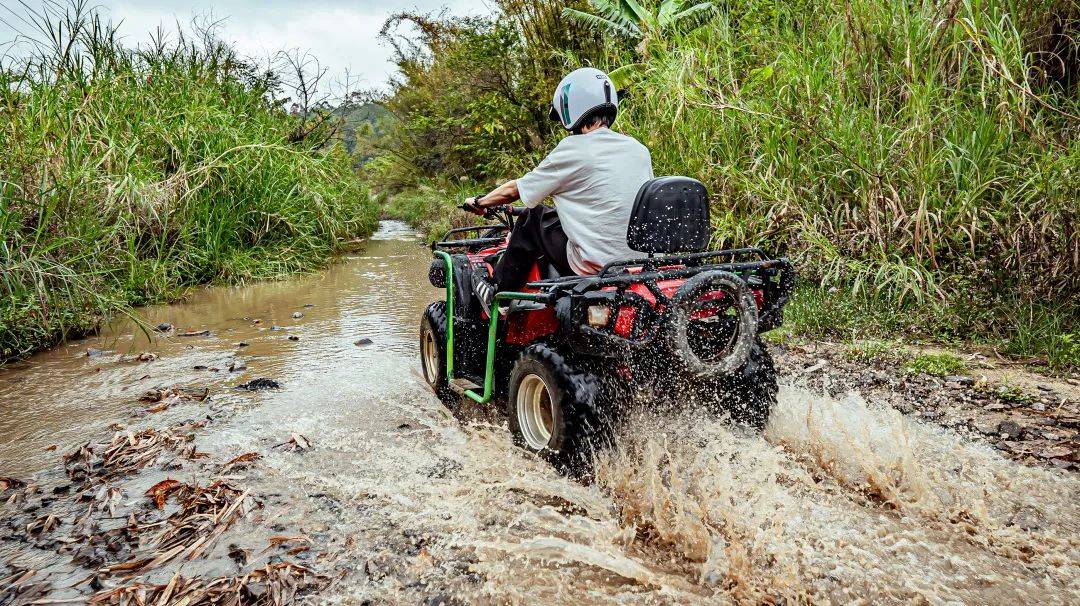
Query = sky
x=342 y=34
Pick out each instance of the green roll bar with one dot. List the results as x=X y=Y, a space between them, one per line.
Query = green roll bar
x=493 y=324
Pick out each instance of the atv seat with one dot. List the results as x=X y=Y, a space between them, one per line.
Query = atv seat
x=670 y=215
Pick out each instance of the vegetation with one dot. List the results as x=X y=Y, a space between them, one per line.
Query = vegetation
x=919 y=160
x=129 y=174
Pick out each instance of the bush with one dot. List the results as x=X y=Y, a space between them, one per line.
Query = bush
x=127 y=175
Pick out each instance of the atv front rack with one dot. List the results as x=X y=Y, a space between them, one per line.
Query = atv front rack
x=472 y=243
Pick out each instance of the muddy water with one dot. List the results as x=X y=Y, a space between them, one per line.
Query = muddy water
x=840 y=501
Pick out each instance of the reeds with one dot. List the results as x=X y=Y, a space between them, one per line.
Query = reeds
x=127 y=174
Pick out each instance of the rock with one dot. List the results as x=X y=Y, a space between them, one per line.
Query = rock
x=309 y=305
x=260 y=384
x=442 y=600
x=816 y=367
x=1071 y=381
x=364 y=342
x=164 y=327
x=1010 y=430
x=1046 y=388
x=93 y=353
x=238 y=366
x=964 y=380
x=195 y=333
x=294 y=338
x=297 y=315
x=243 y=344
x=146 y=357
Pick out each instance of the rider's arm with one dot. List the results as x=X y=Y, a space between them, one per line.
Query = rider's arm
x=507 y=193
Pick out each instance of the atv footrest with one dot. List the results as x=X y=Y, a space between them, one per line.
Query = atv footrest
x=460 y=386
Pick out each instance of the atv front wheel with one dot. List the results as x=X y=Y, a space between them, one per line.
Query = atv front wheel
x=554 y=408
x=749 y=393
x=433 y=351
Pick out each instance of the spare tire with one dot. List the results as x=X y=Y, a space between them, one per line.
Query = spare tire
x=682 y=307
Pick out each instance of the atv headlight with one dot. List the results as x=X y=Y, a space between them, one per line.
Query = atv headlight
x=599 y=315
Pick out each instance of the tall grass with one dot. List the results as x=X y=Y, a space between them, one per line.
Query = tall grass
x=920 y=156
x=919 y=153
x=129 y=174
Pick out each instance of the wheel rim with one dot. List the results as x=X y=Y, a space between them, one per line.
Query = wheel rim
x=429 y=356
x=536 y=415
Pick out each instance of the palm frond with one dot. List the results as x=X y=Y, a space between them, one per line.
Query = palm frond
x=613 y=11
x=692 y=18
x=600 y=23
x=627 y=75
x=668 y=8
x=641 y=14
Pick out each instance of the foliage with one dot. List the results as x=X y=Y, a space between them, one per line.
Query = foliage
x=129 y=174
x=473 y=96
x=630 y=19
x=875 y=352
x=920 y=157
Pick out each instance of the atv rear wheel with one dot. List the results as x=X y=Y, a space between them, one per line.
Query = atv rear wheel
x=554 y=408
x=433 y=351
x=748 y=394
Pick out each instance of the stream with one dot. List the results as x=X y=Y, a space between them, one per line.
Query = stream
x=398 y=500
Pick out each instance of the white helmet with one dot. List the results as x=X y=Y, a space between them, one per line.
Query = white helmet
x=581 y=93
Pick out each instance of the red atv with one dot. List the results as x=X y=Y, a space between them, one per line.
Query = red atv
x=677 y=326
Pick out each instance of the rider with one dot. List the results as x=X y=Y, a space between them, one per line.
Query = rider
x=593 y=176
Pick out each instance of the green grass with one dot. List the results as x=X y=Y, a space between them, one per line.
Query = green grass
x=876 y=352
x=129 y=175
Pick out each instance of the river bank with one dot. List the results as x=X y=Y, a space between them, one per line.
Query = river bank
x=351 y=483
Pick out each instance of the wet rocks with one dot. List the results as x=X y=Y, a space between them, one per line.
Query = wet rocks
x=297 y=315
x=242 y=344
x=960 y=380
x=259 y=384
x=146 y=357
x=364 y=342
x=195 y=333
x=92 y=352
x=1010 y=430
x=294 y=338
x=164 y=327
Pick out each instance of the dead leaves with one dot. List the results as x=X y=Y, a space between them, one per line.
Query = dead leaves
x=296 y=443
x=124 y=454
x=240 y=462
x=205 y=513
x=291 y=545
x=166 y=397
x=272 y=585
x=159 y=492
x=6 y=483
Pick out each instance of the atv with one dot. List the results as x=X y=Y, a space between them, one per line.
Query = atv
x=681 y=324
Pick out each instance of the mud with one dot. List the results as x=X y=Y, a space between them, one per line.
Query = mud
x=351 y=484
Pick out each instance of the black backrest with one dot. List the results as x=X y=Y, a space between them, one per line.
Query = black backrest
x=671 y=214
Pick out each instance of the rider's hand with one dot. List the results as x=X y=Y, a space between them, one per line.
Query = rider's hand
x=472 y=205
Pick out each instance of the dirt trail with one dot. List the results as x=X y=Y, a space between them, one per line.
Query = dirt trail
x=353 y=484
